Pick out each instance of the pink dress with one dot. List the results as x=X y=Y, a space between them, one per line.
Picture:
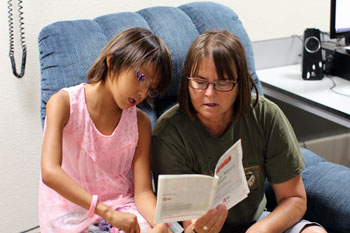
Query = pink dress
x=99 y=163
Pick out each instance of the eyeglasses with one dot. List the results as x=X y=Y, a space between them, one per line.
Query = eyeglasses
x=146 y=83
x=220 y=85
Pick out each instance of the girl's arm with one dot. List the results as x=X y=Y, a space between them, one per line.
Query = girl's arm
x=145 y=199
x=58 y=111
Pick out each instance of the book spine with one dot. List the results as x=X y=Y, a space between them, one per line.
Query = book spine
x=213 y=193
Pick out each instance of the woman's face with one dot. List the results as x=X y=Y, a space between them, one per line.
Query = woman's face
x=212 y=106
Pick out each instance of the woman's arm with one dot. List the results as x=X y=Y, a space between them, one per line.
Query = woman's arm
x=291 y=207
x=145 y=199
x=58 y=111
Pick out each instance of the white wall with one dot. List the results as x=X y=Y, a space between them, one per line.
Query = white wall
x=20 y=140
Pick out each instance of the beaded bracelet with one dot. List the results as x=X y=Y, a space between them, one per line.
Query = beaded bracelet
x=93 y=206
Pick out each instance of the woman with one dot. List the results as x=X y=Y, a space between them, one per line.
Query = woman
x=216 y=108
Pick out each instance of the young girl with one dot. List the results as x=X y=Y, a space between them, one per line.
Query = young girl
x=95 y=156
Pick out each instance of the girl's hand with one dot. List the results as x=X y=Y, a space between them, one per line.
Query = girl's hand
x=160 y=228
x=124 y=221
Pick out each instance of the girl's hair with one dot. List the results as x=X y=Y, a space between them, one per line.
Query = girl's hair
x=132 y=49
x=230 y=61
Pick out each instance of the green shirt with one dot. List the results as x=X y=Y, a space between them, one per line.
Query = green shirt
x=270 y=150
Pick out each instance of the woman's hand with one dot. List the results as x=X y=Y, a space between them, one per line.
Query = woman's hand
x=211 y=222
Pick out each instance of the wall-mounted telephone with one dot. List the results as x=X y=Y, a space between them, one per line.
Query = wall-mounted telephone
x=11 y=37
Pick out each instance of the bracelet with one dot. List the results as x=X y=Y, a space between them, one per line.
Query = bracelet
x=93 y=206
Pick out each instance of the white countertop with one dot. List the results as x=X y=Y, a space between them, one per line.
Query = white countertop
x=315 y=96
x=288 y=78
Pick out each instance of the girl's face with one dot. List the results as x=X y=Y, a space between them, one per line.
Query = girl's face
x=212 y=106
x=127 y=89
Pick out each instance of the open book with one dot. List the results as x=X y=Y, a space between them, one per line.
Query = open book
x=185 y=197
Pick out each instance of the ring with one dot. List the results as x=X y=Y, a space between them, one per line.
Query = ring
x=205 y=228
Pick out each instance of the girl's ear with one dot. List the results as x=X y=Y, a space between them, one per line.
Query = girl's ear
x=108 y=61
x=108 y=64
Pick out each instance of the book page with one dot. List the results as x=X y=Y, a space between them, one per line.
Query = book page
x=184 y=197
x=232 y=186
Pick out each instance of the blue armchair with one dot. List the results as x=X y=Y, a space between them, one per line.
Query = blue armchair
x=68 y=48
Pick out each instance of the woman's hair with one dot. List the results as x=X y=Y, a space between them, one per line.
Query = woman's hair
x=132 y=49
x=230 y=62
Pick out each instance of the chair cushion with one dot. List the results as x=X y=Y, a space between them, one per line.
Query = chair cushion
x=68 y=48
x=328 y=193
x=310 y=158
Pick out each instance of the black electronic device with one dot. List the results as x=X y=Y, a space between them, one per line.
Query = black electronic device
x=337 y=62
x=337 y=55
x=340 y=20
x=312 y=65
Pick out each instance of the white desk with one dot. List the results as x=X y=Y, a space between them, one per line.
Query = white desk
x=314 y=96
